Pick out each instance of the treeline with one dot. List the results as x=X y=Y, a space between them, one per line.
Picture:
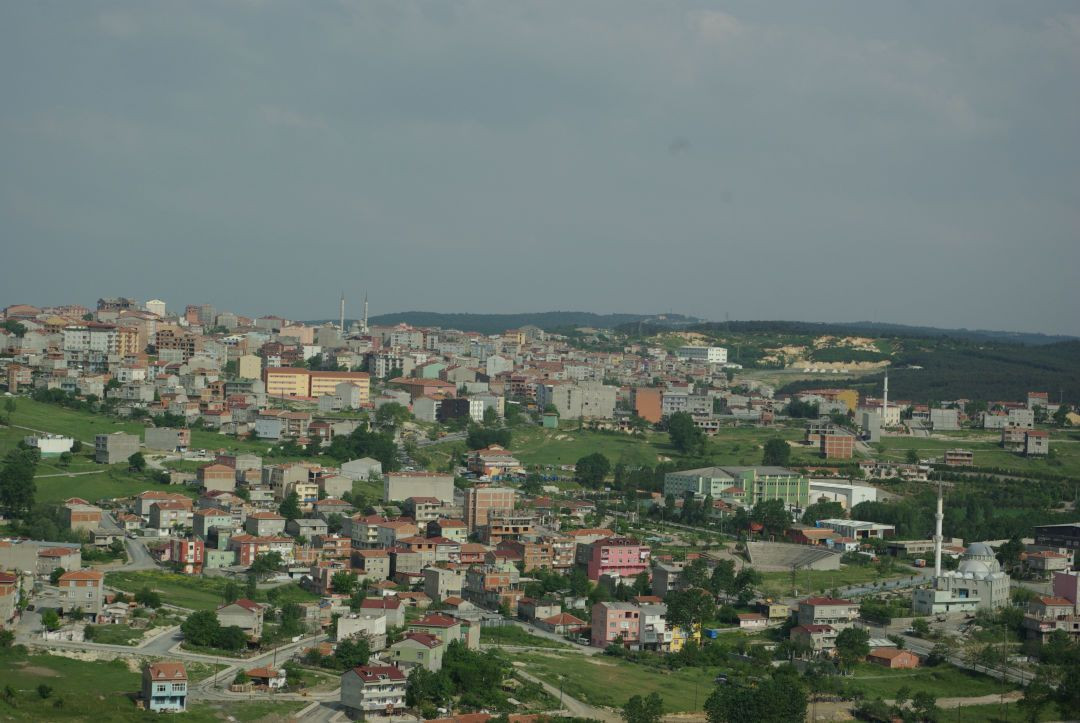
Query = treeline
x=495 y=323
x=983 y=512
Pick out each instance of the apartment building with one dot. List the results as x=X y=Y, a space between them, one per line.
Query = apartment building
x=82 y=590
x=115 y=448
x=617 y=556
x=481 y=500
x=373 y=690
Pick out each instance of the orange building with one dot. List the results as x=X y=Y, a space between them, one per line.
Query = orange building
x=647 y=403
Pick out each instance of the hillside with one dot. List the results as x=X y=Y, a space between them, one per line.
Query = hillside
x=548 y=320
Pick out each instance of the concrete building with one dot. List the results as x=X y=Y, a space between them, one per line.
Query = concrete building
x=244 y=614
x=167 y=439
x=612 y=621
x=617 y=556
x=418 y=649
x=945 y=419
x=646 y=403
x=165 y=687
x=703 y=354
x=373 y=689
x=399 y=486
x=216 y=477
x=441 y=583
x=49 y=445
x=83 y=590
x=741 y=485
x=481 y=500
x=835 y=612
x=977 y=584
x=115 y=448
x=846 y=493
x=580 y=400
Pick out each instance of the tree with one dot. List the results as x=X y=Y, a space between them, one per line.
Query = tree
x=136 y=462
x=912 y=457
x=44 y=691
x=920 y=627
x=148 y=597
x=772 y=515
x=1008 y=553
x=231 y=592
x=290 y=507
x=9 y=407
x=822 y=510
x=54 y=576
x=1061 y=416
x=685 y=435
x=1037 y=696
x=251 y=589
x=647 y=709
x=241 y=678
x=352 y=652
x=201 y=628
x=343 y=582
x=852 y=644
x=392 y=415
x=778 y=700
x=482 y=437
x=230 y=638
x=689 y=608
x=77 y=615
x=777 y=453
x=267 y=563
x=50 y=619
x=925 y=706
x=591 y=469
x=491 y=417
x=17 y=488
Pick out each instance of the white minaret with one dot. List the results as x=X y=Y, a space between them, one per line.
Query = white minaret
x=885 y=401
x=365 y=329
x=938 y=517
x=341 y=325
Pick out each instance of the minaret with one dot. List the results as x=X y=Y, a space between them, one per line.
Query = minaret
x=885 y=401
x=341 y=324
x=938 y=517
x=365 y=329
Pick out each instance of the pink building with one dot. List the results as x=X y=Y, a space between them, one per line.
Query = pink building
x=188 y=555
x=611 y=620
x=621 y=556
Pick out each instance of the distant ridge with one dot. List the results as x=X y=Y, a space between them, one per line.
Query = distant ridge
x=547 y=320
x=649 y=324
x=868 y=328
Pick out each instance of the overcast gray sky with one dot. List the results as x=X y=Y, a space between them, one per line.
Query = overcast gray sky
x=913 y=162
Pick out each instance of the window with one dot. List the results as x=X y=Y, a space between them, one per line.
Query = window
x=160 y=688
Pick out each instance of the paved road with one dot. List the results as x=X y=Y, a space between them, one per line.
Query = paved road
x=71 y=474
x=1014 y=675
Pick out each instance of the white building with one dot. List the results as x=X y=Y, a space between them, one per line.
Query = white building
x=51 y=445
x=845 y=493
x=707 y=354
x=977 y=584
x=156 y=307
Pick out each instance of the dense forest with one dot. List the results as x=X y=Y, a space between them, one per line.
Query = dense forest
x=989 y=510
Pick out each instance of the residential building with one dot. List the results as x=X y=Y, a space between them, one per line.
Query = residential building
x=167 y=439
x=835 y=612
x=893 y=658
x=418 y=649
x=617 y=556
x=77 y=514
x=264 y=524
x=959 y=458
x=9 y=599
x=646 y=403
x=82 y=590
x=615 y=621
x=577 y=400
x=244 y=614
x=361 y=469
x=187 y=555
x=1036 y=443
x=481 y=500
x=399 y=486
x=164 y=687
x=216 y=477
x=373 y=689
x=441 y=583
x=818 y=638
x=703 y=354
x=115 y=448
x=493 y=461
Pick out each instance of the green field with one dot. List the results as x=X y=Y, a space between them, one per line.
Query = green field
x=1064 y=446
x=113 y=634
x=601 y=680
x=513 y=635
x=944 y=681
x=778 y=584
x=103 y=691
x=194 y=591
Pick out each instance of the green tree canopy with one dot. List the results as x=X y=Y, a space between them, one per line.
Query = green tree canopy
x=591 y=469
x=685 y=435
x=777 y=453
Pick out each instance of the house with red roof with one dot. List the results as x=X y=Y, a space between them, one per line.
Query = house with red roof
x=373 y=689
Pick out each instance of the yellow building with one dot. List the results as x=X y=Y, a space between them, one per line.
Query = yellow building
x=249 y=366
x=323 y=383
x=849 y=397
x=287 y=382
x=679 y=637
